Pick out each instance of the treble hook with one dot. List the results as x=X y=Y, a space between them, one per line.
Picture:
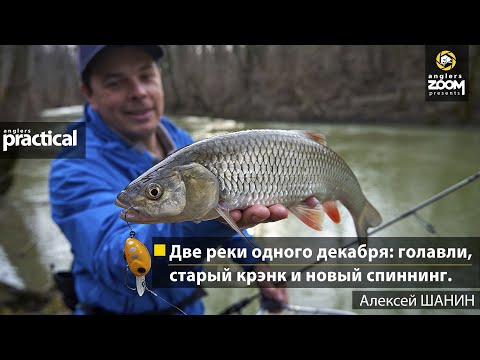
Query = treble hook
x=126 y=275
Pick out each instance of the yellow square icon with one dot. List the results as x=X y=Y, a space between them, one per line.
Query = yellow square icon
x=159 y=250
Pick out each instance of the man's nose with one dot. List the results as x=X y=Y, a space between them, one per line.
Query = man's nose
x=138 y=89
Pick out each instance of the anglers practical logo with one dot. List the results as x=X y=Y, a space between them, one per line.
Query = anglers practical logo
x=42 y=140
x=446 y=73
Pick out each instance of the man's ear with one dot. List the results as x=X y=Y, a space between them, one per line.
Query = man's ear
x=88 y=95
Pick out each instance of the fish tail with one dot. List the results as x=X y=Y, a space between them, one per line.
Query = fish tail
x=368 y=217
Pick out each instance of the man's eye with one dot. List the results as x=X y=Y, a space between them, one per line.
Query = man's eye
x=147 y=77
x=112 y=84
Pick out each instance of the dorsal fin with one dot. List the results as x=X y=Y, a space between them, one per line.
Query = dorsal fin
x=317 y=137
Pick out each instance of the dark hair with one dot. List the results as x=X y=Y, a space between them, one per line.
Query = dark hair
x=86 y=77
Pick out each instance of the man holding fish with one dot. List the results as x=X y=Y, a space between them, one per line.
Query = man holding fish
x=213 y=188
x=126 y=135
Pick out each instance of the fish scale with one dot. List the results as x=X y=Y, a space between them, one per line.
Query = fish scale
x=302 y=173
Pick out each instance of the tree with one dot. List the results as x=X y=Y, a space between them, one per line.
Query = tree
x=16 y=105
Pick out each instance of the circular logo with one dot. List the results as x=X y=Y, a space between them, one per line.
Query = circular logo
x=446 y=60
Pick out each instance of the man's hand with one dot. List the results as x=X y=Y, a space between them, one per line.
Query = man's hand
x=257 y=214
x=275 y=294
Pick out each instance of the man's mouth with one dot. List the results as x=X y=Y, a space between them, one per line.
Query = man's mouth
x=140 y=115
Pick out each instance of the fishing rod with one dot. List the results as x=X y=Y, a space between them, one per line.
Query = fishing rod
x=434 y=198
x=238 y=306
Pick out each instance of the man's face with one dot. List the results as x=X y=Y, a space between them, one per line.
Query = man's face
x=126 y=89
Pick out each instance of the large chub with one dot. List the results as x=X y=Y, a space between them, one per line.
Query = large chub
x=211 y=177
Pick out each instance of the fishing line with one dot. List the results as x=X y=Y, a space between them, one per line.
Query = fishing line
x=183 y=312
x=132 y=233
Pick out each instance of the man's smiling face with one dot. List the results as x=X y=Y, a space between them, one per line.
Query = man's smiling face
x=127 y=91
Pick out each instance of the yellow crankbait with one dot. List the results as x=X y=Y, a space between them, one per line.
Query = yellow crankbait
x=139 y=262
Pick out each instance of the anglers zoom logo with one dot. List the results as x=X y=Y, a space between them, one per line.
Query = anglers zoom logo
x=42 y=140
x=447 y=72
x=446 y=60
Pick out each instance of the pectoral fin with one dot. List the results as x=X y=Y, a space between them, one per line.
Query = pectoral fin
x=312 y=217
x=224 y=213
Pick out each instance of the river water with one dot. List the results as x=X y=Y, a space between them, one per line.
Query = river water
x=397 y=167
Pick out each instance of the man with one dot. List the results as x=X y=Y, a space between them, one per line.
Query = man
x=126 y=135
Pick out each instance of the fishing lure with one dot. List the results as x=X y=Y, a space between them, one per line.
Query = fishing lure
x=138 y=261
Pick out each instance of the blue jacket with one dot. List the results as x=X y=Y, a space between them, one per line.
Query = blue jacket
x=82 y=195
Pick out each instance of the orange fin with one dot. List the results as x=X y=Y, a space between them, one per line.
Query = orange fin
x=312 y=217
x=331 y=210
x=317 y=137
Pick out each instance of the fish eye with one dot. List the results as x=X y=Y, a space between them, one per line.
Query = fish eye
x=154 y=191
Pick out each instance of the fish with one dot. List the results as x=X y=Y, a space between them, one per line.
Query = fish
x=208 y=178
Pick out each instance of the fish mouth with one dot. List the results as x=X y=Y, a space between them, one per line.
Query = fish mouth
x=120 y=204
x=123 y=200
x=131 y=214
